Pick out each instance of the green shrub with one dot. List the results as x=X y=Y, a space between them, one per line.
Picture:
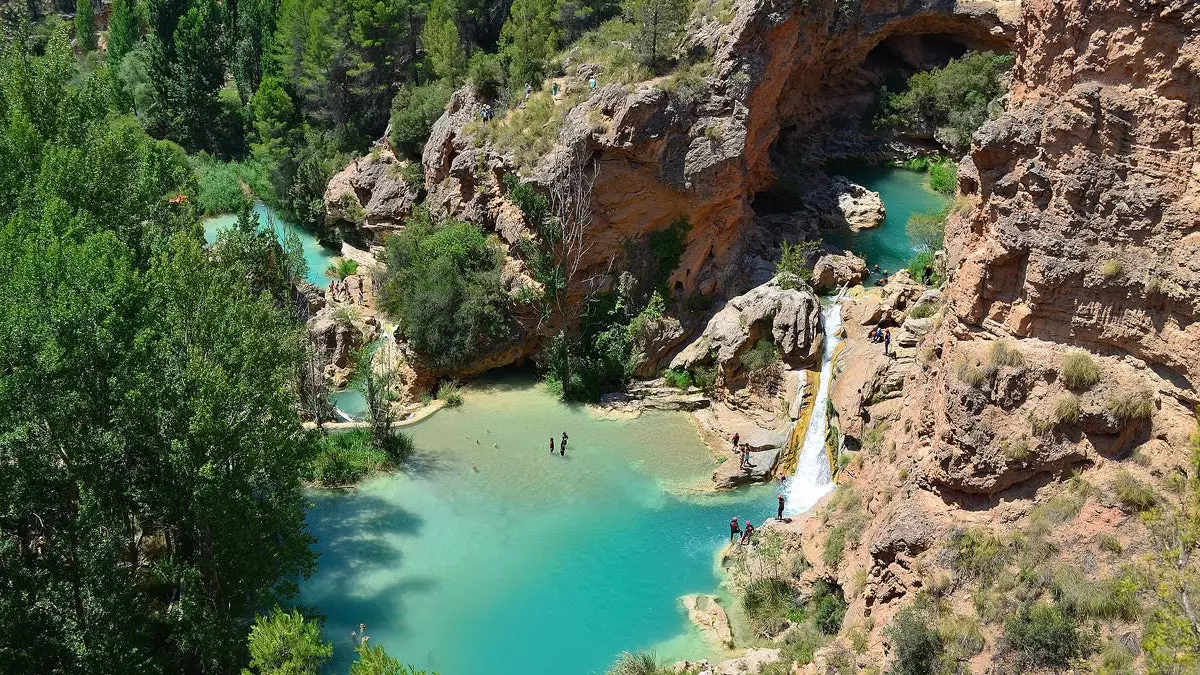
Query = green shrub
x=916 y=267
x=704 y=377
x=640 y=663
x=767 y=602
x=1018 y=450
x=666 y=247
x=977 y=553
x=689 y=83
x=610 y=47
x=949 y=102
x=1086 y=598
x=451 y=393
x=917 y=645
x=340 y=268
x=443 y=289
x=794 y=266
x=800 y=644
x=1116 y=659
x=414 y=110
x=923 y=310
x=678 y=378
x=485 y=72
x=1066 y=410
x=1079 y=371
x=218 y=186
x=413 y=173
x=961 y=635
x=1132 y=406
x=346 y=458
x=1111 y=269
x=927 y=231
x=943 y=177
x=1043 y=636
x=1133 y=494
x=1109 y=543
x=763 y=354
x=831 y=609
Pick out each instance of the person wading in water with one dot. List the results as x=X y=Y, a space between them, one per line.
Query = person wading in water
x=552 y=445
x=562 y=447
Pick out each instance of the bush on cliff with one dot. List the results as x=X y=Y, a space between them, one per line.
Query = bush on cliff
x=443 y=289
x=414 y=110
x=1044 y=636
x=949 y=103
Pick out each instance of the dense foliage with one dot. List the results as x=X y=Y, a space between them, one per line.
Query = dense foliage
x=444 y=289
x=951 y=102
x=151 y=451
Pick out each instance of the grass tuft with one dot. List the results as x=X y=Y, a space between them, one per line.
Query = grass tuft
x=1133 y=494
x=1079 y=370
x=1066 y=410
x=1132 y=406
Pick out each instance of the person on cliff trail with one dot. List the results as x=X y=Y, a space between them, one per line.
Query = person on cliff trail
x=887 y=342
x=562 y=447
x=736 y=437
x=552 y=445
x=745 y=457
x=734 y=530
x=747 y=533
x=779 y=511
x=927 y=275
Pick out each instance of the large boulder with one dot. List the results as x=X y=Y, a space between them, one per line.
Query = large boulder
x=858 y=207
x=707 y=613
x=370 y=196
x=731 y=474
x=834 y=271
x=789 y=318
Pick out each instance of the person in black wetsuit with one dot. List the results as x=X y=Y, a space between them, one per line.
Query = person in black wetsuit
x=734 y=530
x=747 y=533
x=562 y=447
x=552 y=445
x=779 y=511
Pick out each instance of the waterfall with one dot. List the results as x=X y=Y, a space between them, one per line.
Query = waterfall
x=813 y=478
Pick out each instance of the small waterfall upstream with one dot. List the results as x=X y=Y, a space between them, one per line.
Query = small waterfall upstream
x=813 y=478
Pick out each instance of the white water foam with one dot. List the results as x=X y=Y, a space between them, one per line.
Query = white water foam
x=813 y=478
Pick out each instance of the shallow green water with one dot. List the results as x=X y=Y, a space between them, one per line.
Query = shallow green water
x=904 y=193
x=317 y=256
x=492 y=556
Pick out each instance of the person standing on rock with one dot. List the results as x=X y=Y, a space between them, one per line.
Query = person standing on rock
x=927 y=275
x=745 y=457
x=887 y=342
x=779 y=511
x=736 y=437
x=734 y=530
x=562 y=447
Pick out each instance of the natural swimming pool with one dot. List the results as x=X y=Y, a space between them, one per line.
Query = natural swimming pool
x=490 y=555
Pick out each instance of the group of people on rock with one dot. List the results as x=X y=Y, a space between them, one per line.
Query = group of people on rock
x=339 y=291
x=744 y=536
x=882 y=335
x=562 y=446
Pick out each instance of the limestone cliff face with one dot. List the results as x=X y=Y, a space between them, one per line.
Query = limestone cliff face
x=1082 y=232
x=797 y=76
x=1088 y=228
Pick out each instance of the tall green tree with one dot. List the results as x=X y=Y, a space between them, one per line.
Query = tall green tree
x=443 y=45
x=528 y=40
x=198 y=73
x=122 y=32
x=251 y=48
x=85 y=26
x=659 y=27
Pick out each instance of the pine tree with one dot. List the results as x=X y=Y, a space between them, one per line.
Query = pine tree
x=528 y=39
x=443 y=46
x=85 y=29
x=659 y=24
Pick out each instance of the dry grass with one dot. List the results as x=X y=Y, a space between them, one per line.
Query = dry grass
x=1111 y=269
x=1004 y=353
x=1066 y=410
x=1079 y=370
x=1133 y=493
x=971 y=373
x=1130 y=406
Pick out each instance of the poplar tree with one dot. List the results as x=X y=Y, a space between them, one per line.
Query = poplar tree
x=85 y=29
x=122 y=32
x=443 y=45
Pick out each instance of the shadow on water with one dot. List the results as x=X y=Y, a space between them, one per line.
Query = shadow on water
x=421 y=464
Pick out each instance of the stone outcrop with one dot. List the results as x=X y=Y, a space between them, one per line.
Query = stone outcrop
x=788 y=318
x=858 y=207
x=707 y=613
x=832 y=271
x=370 y=196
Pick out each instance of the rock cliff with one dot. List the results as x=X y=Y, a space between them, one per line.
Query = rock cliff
x=1055 y=370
